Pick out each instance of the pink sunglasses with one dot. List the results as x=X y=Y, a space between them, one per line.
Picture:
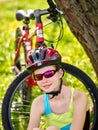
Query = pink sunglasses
x=46 y=74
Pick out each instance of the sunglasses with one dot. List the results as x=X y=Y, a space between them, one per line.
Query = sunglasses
x=46 y=74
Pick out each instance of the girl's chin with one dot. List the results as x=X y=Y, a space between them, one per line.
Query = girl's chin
x=47 y=91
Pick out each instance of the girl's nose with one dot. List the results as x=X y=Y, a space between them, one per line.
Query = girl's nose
x=44 y=79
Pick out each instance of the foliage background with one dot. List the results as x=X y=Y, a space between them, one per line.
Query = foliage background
x=72 y=52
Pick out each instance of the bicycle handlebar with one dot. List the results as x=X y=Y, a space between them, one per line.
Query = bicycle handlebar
x=30 y=14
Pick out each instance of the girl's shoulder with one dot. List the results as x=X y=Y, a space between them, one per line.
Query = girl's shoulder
x=38 y=104
x=39 y=100
x=79 y=94
x=80 y=98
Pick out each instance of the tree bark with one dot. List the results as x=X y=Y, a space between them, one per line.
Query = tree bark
x=82 y=18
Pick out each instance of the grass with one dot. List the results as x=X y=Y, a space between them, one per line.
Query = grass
x=71 y=50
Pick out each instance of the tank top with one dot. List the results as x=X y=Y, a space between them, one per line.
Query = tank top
x=62 y=121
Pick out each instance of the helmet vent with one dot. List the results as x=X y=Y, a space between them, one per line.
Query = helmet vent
x=37 y=55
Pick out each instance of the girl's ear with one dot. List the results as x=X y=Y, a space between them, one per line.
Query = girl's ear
x=61 y=72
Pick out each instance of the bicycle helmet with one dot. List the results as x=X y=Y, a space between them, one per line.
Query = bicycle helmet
x=42 y=57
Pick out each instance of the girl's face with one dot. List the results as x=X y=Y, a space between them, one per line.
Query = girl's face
x=48 y=78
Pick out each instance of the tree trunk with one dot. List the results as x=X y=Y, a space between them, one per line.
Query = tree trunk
x=82 y=18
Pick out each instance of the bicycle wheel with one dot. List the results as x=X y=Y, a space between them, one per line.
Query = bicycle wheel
x=10 y=122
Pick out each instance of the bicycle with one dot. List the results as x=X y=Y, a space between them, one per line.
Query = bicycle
x=17 y=101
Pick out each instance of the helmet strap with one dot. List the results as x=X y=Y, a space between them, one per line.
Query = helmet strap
x=55 y=93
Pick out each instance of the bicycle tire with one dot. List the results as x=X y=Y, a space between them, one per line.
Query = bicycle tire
x=70 y=69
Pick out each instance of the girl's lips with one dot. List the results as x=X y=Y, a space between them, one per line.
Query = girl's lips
x=47 y=86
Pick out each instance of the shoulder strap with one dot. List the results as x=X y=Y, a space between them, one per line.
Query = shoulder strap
x=71 y=100
x=47 y=109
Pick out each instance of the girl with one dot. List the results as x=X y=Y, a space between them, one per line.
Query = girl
x=64 y=108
